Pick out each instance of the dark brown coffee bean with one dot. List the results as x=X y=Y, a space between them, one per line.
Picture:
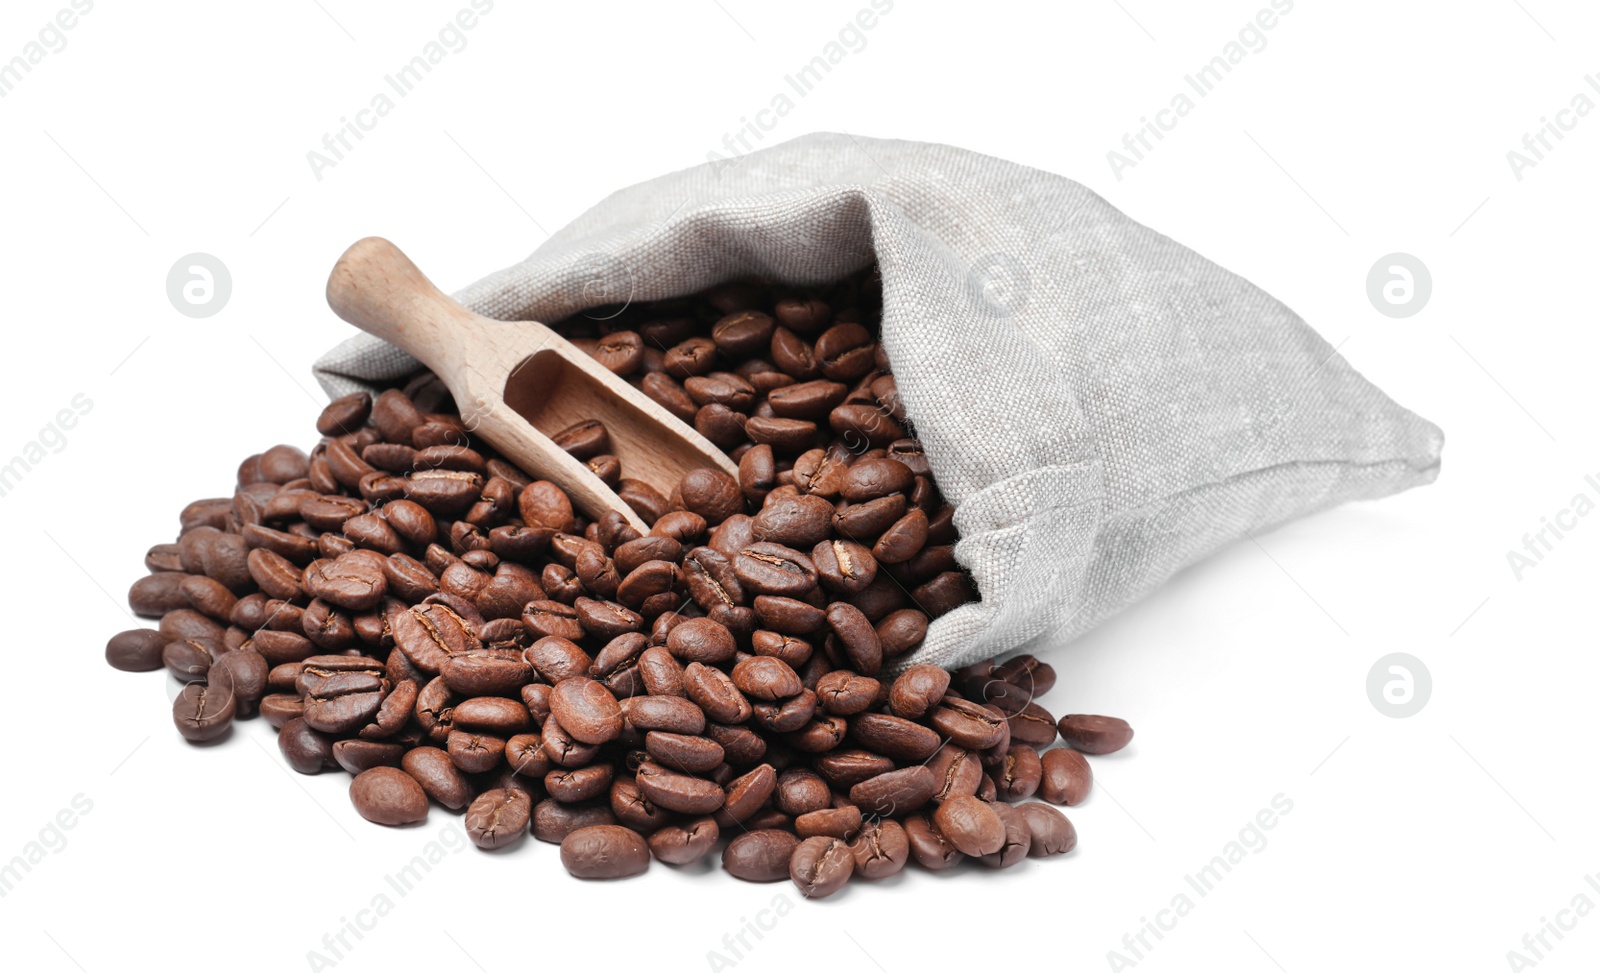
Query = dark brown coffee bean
x=856 y=636
x=968 y=724
x=1052 y=833
x=356 y=756
x=686 y=843
x=840 y=822
x=760 y=856
x=741 y=746
x=189 y=660
x=554 y=820
x=648 y=579
x=431 y=767
x=1095 y=734
x=499 y=818
x=821 y=866
x=1019 y=776
x=880 y=849
x=896 y=792
x=800 y=791
x=474 y=753
x=1018 y=839
x=156 y=594
x=903 y=539
x=136 y=650
x=747 y=794
x=795 y=521
x=662 y=674
x=957 y=771
x=766 y=678
x=1066 y=777
x=345 y=414
x=869 y=479
x=490 y=714
x=788 y=615
x=668 y=394
x=845 y=352
x=845 y=693
x=895 y=737
x=901 y=631
x=711 y=578
x=773 y=569
x=621 y=352
x=865 y=426
x=279 y=708
x=586 y=710
x=971 y=825
x=203 y=713
x=929 y=846
x=917 y=690
x=306 y=750
x=682 y=752
x=670 y=714
x=552 y=619
x=715 y=693
x=244 y=672
x=386 y=795
x=604 y=851
x=683 y=793
x=1033 y=725
x=843 y=566
x=701 y=640
x=846 y=768
x=743 y=333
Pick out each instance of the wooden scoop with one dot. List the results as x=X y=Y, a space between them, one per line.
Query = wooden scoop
x=517 y=383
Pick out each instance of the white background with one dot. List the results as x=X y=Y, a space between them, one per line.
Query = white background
x=1362 y=128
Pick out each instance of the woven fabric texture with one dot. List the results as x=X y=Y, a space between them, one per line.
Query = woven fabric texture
x=1102 y=405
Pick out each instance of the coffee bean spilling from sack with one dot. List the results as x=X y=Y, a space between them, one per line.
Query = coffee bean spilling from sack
x=406 y=606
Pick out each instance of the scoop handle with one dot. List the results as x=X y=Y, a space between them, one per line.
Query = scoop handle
x=377 y=288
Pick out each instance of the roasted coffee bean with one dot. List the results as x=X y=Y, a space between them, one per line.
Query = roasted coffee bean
x=747 y=794
x=773 y=569
x=203 y=712
x=845 y=693
x=1095 y=734
x=499 y=818
x=901 y=631
x=844 y=567
x=244 y=672
x=686 y=843
x=670 y=714
x=1051 y=832
x=715 y=693
x=279 y=708
x=821 y=866
x=431 y=767
x=793 y=521
x=903 y=539
x=839 y=822
x=741 y=746
x=157 y=594
x=1033 y=725
x=1018 y=838
x=554 y=820
x=474 y=753
x=764 y=677
x=854 y=632
x=701 y=640
x=393 y=712
x=586 y=710
x=356 y=756
x=846 y=768
x=387 y=795
x=760 y=856
x=683 y=752
x=896 y=792
x=345 y=414
x=957 y=772
x=971 y=826
x=136 y=650
x=683 y=793
x=968 y=724
x=604 y=851
x=306 y=750
x=1020 y=773
x=880 y=849
x=917 y=690
x=490 y=714
x=189 y=660
x=800 y=791
x=929 y=846
x=1066 y=777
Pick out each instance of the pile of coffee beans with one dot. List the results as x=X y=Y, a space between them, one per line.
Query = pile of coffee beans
x=405 y=605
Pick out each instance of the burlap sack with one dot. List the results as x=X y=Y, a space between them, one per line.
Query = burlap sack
x=1103 y=406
